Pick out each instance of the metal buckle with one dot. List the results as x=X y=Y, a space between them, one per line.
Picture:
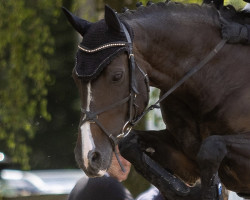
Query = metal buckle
x=125 y=130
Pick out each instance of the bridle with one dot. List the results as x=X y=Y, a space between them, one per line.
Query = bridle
x=92 y=117
x=133 y=120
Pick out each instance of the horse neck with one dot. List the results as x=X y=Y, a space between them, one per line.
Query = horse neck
x=167 y=47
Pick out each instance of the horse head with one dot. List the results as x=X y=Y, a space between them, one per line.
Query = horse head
x=113 y=89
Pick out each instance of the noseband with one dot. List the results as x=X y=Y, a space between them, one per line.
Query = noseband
x=92 y=117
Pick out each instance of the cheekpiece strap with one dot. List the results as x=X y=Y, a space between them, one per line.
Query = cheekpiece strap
x=133 y=83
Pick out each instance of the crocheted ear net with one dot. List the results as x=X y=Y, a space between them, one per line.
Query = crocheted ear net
x=90 y=64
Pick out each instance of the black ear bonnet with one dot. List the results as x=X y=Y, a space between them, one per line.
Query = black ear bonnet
x=102 y=42
x=90 y=64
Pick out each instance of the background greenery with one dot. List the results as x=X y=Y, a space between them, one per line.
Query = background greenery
x=39 y=104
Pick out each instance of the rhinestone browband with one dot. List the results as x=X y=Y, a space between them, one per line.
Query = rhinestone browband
x=105 y=46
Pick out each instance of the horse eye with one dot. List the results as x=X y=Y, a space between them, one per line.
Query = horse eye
x=117 y=76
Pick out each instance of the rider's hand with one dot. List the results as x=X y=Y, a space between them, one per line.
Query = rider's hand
x=234 y=32
x=130 y=149
x=115 y=169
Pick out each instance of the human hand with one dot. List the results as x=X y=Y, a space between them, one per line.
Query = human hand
x=115 y=170
x=233 y=32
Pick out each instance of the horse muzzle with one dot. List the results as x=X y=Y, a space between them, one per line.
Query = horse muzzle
x=94 y=161
x=93 y=165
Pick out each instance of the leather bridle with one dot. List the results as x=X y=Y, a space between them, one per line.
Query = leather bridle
x=133 y=120
x=92 y=117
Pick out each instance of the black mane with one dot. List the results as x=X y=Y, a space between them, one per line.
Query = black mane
x=205 y=13
x=175 y=11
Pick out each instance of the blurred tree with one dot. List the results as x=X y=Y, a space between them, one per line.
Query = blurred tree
x=25 y=45
x=53 y=145
x=118 y=5
x=190 y=1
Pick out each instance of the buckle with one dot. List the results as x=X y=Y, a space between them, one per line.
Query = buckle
x=125 y=130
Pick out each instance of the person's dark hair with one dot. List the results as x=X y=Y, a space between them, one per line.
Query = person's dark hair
x=101 y=188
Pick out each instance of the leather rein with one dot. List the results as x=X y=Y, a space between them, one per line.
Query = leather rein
x=92 y=117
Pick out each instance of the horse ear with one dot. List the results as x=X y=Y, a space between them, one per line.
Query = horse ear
x=112 y=19
x=80 y=25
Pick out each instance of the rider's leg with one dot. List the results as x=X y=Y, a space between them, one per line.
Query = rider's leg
x=229 y=155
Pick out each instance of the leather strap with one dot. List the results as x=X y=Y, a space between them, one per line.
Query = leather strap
x=184 y=79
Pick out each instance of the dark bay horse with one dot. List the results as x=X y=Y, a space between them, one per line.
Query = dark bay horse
x=207 y=118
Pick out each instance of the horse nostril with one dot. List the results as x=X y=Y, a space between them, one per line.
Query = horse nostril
x=94 y=159
x=95 y=156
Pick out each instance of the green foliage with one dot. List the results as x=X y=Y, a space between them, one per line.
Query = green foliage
x=24 y=71
x=190 y=1
x=53 y=144
x=182 y=1
x=238 y=4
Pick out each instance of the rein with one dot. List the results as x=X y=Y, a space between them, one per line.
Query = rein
x=92 y=117
x=181 y=81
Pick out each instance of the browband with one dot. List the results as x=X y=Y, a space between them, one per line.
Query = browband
x=102 y=47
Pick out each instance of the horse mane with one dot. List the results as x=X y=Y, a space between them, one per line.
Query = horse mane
x=175 y=11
